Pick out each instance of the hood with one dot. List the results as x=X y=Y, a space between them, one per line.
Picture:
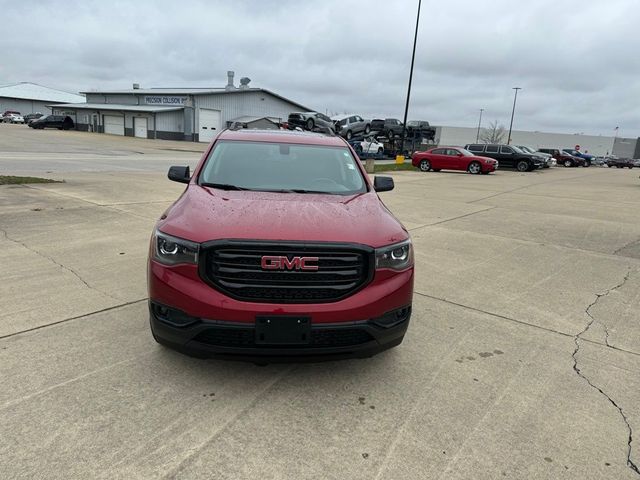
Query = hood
x=202 y=214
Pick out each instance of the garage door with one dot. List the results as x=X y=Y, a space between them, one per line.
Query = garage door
x=209 y=124
x=140 y=127
x=113 y=125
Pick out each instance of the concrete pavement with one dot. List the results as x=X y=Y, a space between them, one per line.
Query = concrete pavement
x=522 y=359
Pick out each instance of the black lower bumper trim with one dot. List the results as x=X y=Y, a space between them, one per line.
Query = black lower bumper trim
x=211 y=338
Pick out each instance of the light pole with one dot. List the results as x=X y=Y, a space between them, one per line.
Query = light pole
x=479 y=122
x=400 y=155
x=515 y=97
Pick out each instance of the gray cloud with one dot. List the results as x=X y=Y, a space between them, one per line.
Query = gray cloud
x=576 y=61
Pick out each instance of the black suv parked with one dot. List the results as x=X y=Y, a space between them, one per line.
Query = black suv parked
x=53 y=121
x=508 y=156
x=390 y=127
x=310 y=121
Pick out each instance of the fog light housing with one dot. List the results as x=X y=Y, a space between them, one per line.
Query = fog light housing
x=393 y=318
x=172 y=316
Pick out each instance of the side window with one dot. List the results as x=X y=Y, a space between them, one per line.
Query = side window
x=353 y=119
x=491 y=149
x=439 y=151
x=359 y=118
x=451 y=152
x=475 y=148
x=507 y=150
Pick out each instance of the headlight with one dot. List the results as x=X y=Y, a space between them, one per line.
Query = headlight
x=172 y=250
x=396 y=257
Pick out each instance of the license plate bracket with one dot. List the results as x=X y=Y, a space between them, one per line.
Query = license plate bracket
x=283 y=330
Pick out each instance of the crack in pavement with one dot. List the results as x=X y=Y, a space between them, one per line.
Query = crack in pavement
x=69 y=269
x=576 y=339
x=77 y=317
x=522 y=322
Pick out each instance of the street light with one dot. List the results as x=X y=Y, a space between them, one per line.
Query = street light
x=400 y=156
x=512 y=112
x=479 y=122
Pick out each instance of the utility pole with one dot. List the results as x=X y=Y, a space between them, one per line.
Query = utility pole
x=479 y=122
x=400 y=155
x=512 y=113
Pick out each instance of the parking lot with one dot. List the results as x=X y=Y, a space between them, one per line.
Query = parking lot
x=522 y=359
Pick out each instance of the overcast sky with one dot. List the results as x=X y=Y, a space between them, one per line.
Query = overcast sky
x=577 y=61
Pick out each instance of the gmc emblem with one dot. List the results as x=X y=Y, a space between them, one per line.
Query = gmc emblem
x=283 y=263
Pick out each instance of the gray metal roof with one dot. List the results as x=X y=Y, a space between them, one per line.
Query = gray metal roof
x=193 y=91
x=33 y=91
x=115 y=106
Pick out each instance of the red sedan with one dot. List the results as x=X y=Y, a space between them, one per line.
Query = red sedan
x=453 y=158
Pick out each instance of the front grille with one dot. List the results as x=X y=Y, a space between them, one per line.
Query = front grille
x=320 y=337
x=235 y=269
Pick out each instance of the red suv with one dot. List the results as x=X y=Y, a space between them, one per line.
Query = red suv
x=279 y=247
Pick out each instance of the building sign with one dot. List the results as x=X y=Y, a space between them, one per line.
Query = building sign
x=165 y=100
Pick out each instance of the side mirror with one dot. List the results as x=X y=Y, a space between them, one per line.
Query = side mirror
x=179 y=174
x=383 y=184
x=459 y=154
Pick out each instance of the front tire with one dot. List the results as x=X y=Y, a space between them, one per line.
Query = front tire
x=349 y=134
x=390 y=135
x=522 y=166
x=475 y=168
x=310 y=124
x=367 y=129
x=568 y=163
x=380 y=151
x=425 y=165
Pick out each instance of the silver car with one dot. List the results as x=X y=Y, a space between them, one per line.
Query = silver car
x=351 y=124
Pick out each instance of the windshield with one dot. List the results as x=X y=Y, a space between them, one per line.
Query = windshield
x=527 y=149
x=516 y=149
x=466 y=153
x=280 y=167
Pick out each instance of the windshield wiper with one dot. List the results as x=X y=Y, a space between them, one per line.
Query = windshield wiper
x=223 y=186
x=294 y=190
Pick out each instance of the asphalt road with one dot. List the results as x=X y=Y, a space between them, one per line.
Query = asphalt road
x=522 y=360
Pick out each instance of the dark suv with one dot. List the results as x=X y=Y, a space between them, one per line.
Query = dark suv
x=311 y=121
x=508 y=156
x=53 y=121
x=563 y=158
x=389 y=127
x=279 y=247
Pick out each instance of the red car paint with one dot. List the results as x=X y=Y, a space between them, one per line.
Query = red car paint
x=206 y=215
x=452 y=158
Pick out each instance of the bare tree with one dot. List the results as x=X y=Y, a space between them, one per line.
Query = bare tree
x=494 y=134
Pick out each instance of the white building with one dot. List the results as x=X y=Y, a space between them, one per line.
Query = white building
x=33 y=98
x=595 y=144
x=192 y=114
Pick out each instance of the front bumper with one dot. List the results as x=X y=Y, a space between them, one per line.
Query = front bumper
x=205 y=308
x=208 y=338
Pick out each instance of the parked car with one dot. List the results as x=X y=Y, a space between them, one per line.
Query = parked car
x=270 y=282
x=453 y=158
x=60 y=122
x=29 y=117
x=349 y=125
x=420 y=129
x=548 y=158
x=509 y=156
x=563 y=158
x=310 y=121
x=9 y=112
x=13 y=118
x=389 y=127
x=588 y=158
x=620 y=162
